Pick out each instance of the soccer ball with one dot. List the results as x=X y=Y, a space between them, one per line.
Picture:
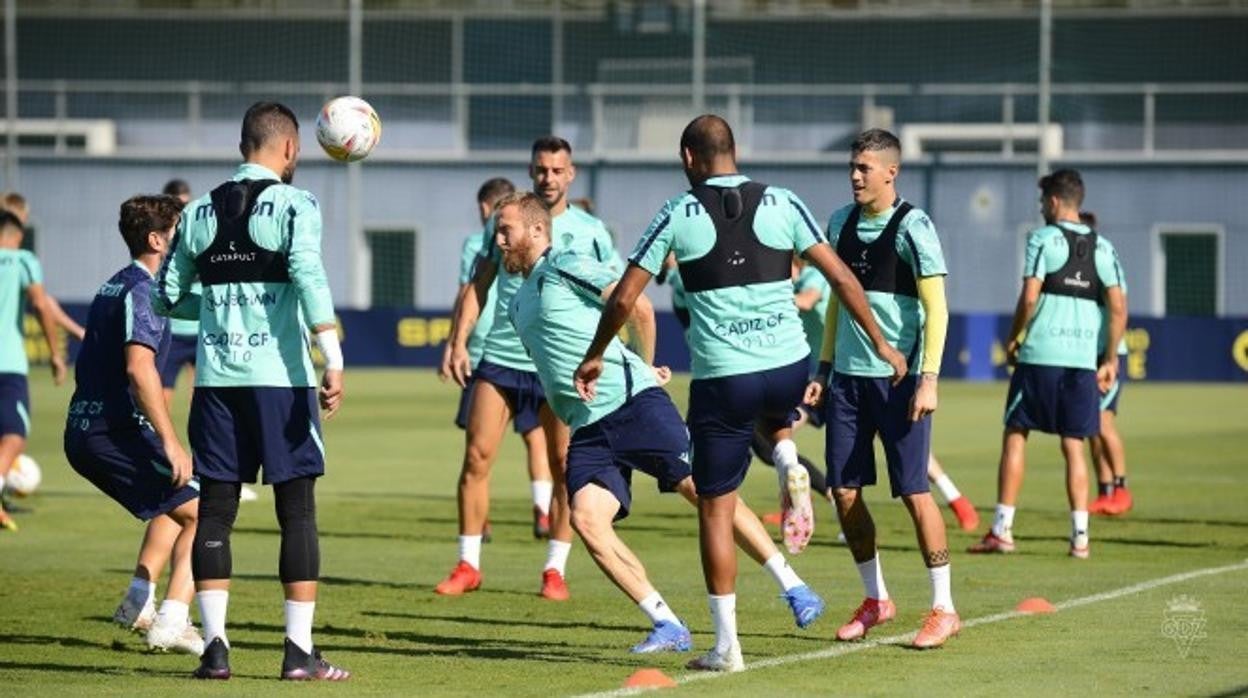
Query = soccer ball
x=24 y=477
x=348 y=129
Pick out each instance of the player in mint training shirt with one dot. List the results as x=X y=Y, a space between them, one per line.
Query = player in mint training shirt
x=1061 y=364
x=734 y=240
x=255 y=244
x=21 y=280
x=1113 y=498
x=534 y=439
x=630 y=424
x=505 y=382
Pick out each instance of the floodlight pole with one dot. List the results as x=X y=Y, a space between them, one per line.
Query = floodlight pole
x=355 y=177
x=698 y=77
x=10 y=94
x=1045 y=92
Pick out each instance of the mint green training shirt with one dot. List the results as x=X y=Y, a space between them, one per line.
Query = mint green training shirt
x=737 y=329
x=556 y=312
x=1064 y=331
x=255 y=333
x=900 y=317
x=19 y=270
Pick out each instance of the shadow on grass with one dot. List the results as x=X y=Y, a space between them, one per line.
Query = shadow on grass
x=1231 y=692
x=51 y=668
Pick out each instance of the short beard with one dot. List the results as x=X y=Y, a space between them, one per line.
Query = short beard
x=288 y=175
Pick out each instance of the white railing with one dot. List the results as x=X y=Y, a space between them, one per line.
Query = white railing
x=736 y=101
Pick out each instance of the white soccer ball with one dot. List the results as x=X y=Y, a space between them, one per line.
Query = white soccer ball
x=348 y=128
x=24 y=477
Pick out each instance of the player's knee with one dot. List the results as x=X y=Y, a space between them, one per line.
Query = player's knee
x=845 y=496
x=589 y=524
x=295 y=504
x=477 y=460
x=218 y=508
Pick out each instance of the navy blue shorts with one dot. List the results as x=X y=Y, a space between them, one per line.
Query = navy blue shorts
x=130 y=466
x=521 y=389
x=645 y=434
x=859 y=407
x=723 y=413
x=14 y=405
x=235 y=431
x=1055 y=400
x=181 y=353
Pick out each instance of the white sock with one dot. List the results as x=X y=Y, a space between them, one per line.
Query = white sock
x=873 y=578
x=1003 y=522
x=174 y=613
x=212 y=606
x=942 y=595
x=784 y=455
x=947 y=489
x=1 y=483
x=657 y=609
x=724 y=617
x=141 y=591
x=780 y=571
x=1079 y=528
x=299 y=623
x=543 y=490
x=470 y=550
x=557 y=556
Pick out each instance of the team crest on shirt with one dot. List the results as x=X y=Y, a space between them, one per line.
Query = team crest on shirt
x=567 y=239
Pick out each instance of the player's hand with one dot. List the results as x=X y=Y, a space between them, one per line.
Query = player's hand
x=330 y=394
x=59 y=370
x=1106 y=375
x=662 y=374
x=586 y=378
x=460 y=367
x=1011 y=352
x=893 y=358
x=444 y=368
x=814 y=392
x=181 y=470
x=924 y=400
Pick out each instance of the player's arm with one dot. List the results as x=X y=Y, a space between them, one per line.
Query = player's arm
x=935 y=327
x=814 y=389
x=1116 y=303
x=307 y=274
x=808 y=298
x=642 y=328
x=43 y=305
x=66 y=322
x=467 y=311
x=467 y=269
x=845 y=286
x=619 y=308
x=149 y=394
x=1024 y=310
x=171 y=294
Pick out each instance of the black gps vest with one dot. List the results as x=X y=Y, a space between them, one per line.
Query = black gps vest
x=738 y=258
x=233 y=257
x=1077 y=278
x=877 y=265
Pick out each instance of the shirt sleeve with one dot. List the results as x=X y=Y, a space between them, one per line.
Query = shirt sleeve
x=172 y=294
x=655 y=243
x=1033 y=259
x=922 y=246
x=835 y=222
x=587 y=277
x=31 y=270
x=604 y=250
x=489 y=250
x=468 y=258
x=936 y=321
x=143 y=325
x=307 y=271
x=805 y=233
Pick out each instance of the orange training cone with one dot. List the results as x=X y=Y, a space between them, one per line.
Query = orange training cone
x=1035 y=604
x=649 y=678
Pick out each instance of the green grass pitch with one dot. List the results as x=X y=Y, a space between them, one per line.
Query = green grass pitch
x=387 y=520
